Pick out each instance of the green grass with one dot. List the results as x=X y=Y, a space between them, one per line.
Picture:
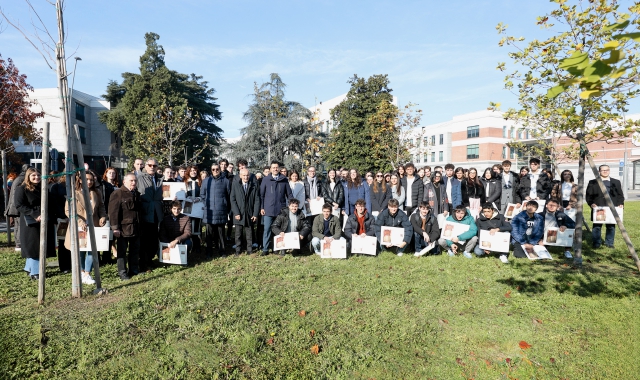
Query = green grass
x=385 y=318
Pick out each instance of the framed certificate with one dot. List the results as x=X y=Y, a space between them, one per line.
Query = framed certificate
x=193 y=209
x=451 y=229
x=537 y=252
x=511 y=211
x=498 y=242
x=175 y=255
x=391 y=235
x=314 y=206
x=335 y=249
x=290 y=240
x=553 y=236
x=102 y=239
x=366 y=245
x=603 y=215
x=174 y=190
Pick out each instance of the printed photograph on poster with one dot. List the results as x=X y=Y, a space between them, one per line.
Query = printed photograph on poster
x=102 y=239
x=314 y=206
x=175 y=255
x=537 y=252
x=511 y=211
x=553 y=236
x=335 y=249
x=498 y=242
x=174 y=190
x=451 y=229
x=290 y=240
x=193 y=209
x=540 y=209
x=61 y=228
x=364 y=245
x=391 y=235
x=603 y=215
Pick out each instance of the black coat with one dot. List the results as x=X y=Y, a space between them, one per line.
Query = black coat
x=351 y=227
x=28 y=203
x=475 y=191
x=417 y=190
x=281 y=223
x=108 y=190
x=307 y=187
x=543 y=188
x=380 y=199
x=495 y=190
x=335 y=196
x=245 y=204
x=431 y=227
x=496 y=221
x=58 y=197
x=124 y=210
x=594 y=195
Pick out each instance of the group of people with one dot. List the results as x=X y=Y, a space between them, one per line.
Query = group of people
x=259 y=206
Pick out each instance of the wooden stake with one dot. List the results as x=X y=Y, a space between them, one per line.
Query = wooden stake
x=5 y=190
x=44 y=213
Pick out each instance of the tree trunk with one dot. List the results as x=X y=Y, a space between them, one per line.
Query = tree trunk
x=44 y=213
x=579 y=209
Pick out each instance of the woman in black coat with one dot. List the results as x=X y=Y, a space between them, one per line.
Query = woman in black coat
x=333 y=191
x=380 y=194
x=492 y=187
x=27 y=202
x=523 y=188
x=472 y=191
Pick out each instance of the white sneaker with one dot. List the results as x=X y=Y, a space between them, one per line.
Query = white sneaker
x=18 y=249
x=450 y=253
x=568 y=255
x=504 y=259
x=86 y=279
x=400 y=254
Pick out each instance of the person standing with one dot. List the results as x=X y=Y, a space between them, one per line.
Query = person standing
x=27 y=202
x=333 y=191
x=413 y=187
x=565 y=192
x=539 y=182
x=509 y=182
x=435 y=195
x=397 y=191
x=354 y=190
x=380 y=195
x=473 y=194
x=312 y=188
x=138 y=166
x=215 y=193
x=274 y=194
x=297 y=187
x=245 y=206
x=151 y=214
x=595 y=197
x=12 y=211
x=492 y=187
x=452 y=185
x=124 y=212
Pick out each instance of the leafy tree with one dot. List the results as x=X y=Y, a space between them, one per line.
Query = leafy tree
x=16 y=115
x=277 y=129
x=148 y=96
x=550 y=105
x=408 y=121
x=366 y=136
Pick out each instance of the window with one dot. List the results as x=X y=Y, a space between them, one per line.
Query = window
x=473 y=151
x=417 y=143
x=433 y=156
x=425 y=141
x=426 y=157
x=433 y=140
x=417 y=158
x=327 y=125
x=83 y=135
x=440 y=156
x=504 y=152
x=441 y=139
x=513 y=133
x=79 y=112
x=511 y=154
x=473 y=131
x=527 y=135
x=519 y=134
x=504 y=132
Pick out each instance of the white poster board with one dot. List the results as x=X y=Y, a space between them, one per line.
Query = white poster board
x=335 y=249
x=365 y=245
x=603 y=215
x=193 y=209
x=498 y=242
x=441 y=220
x=102 y=239
x=553 y=236
x=426 y=249
x=451 y=230
x=174 y=190
x=391 y=235
x=537 y=252
x=540 y=209
x=511 y=211
x=571 y=213
x=290 y=240
x=175 y=255
x=314 y=206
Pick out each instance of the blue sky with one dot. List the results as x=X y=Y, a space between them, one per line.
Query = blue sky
x=441 y=55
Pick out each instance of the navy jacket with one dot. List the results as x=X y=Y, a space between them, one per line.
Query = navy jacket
x=215 y=193
x=400 y=219
x=274 y=194
x=520 y=224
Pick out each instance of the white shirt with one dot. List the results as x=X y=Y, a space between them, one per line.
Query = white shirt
x=506 y=178
x=566 y=190
x=408 y=200
x=534 y=182
x=449 y=186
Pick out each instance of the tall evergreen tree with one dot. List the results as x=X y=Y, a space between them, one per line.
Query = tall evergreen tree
x=366 y=136
x=141 y=97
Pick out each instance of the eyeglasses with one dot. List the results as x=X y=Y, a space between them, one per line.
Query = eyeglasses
x=604 y=170
x=215 y=169
x=378 y=175
x=152 y=165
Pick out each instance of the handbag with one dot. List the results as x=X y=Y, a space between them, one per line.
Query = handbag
x=31 y=221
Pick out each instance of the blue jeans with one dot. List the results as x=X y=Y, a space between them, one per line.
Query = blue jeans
x=267 y=235
x=87 y=263
x=609 y=235
x=419 y=243
x=32 y=266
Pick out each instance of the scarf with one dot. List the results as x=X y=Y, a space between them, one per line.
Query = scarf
x=360 y=219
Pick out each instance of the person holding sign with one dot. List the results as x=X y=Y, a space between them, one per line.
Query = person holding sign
x=491 y=220
x=528 y=230
x=392 y=216
x=291 y=219
x=465 y=241
x=554 y=218
x=245 y=206
x=425 y=228
x=594 y=197
x=175 y=228
x=99 y=219
x=360 y=223
x=326 y=227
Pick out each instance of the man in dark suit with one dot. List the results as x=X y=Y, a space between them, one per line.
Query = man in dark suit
x=245 y=207
x=124 y=207
x=151 y=214
x=595 y=197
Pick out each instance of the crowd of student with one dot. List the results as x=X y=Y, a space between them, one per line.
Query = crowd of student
x=259 y=206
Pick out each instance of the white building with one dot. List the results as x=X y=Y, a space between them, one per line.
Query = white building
x=322 y=111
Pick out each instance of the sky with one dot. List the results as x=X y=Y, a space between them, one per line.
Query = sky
x=440 y=55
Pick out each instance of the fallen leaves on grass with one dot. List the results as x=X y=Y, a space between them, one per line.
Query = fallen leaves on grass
x=524 y=345
x=443 y=322
x=552 y=360
x=270 y=341
x=508 y=294
x=459 y=361
x=536 y=321
x=315 y=349
x=302 y=313
x=359 y=300
x=334 y=302
x=312 y=333
x=409 y=291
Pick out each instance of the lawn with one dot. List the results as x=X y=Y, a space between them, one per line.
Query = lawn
x=303 y=317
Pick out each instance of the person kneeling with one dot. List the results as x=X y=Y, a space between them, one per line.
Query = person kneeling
x=466 y=240
x=528 y=230
x=326 y=227
x=291 y=219
x=176 y=228
x=360 y=223
x=392 y=216
x=491 y=220
x=425 y=229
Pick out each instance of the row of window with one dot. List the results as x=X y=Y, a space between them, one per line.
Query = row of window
x=425 y=141
x=426 y=157
x=473 y=152
x=474 y=131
